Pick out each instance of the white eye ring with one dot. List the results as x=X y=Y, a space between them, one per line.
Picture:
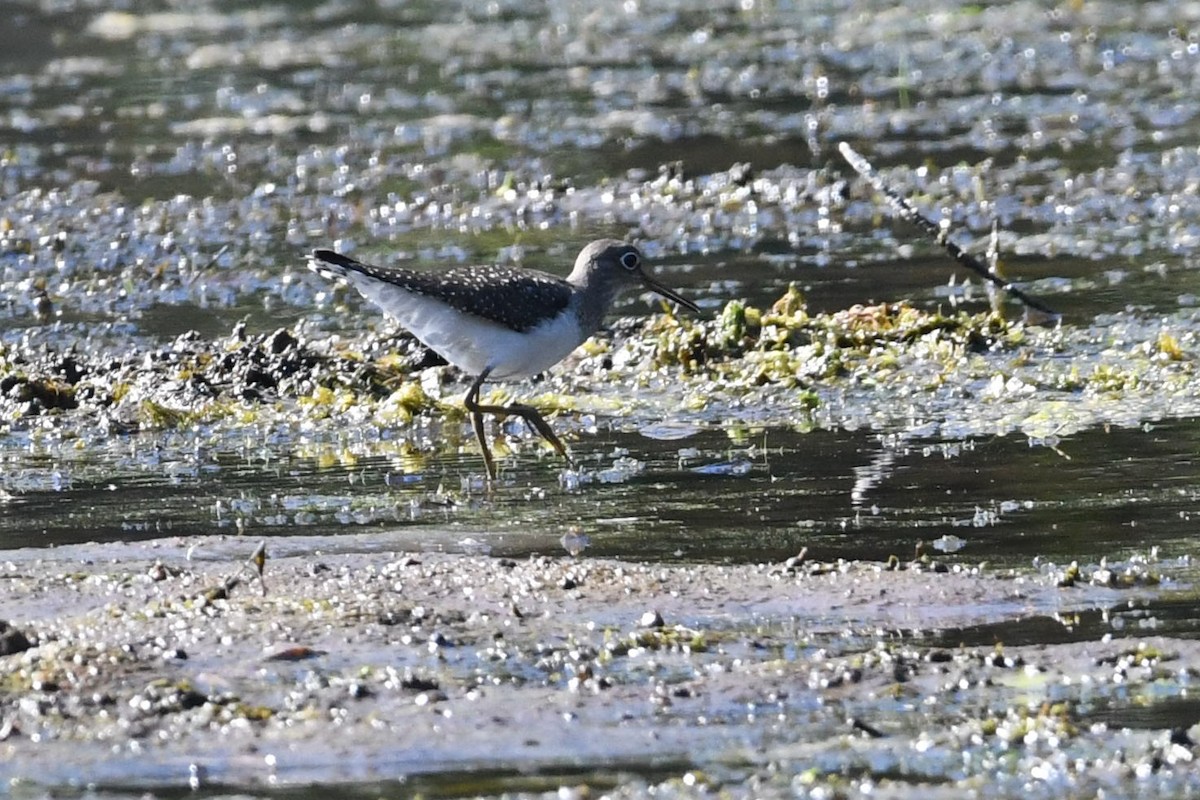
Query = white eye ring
x=630 y=261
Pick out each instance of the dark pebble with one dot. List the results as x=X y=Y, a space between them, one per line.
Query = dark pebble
x=12 y=640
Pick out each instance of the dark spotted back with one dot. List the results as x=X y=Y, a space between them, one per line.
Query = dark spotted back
x=517 y=298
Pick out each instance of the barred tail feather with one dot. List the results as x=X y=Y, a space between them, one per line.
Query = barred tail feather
x=329 y=264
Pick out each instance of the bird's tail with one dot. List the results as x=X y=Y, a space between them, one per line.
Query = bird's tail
x=329 y=264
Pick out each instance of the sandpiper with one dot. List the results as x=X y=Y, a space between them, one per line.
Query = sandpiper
x=501 y=322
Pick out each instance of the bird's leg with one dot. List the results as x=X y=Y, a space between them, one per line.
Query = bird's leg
x=525 y=412
x=535 y=418
x=471 y=403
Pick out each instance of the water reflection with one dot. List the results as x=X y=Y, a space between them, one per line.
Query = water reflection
x=707 y=497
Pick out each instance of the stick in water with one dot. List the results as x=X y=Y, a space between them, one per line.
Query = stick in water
x=907 y=212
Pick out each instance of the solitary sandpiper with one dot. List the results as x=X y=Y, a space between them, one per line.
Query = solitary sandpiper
x=501 y=322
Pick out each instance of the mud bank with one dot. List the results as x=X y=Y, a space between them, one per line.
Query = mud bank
x=149 y=669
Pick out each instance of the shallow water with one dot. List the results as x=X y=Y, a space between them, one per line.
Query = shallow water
x=171 y=165
x=163 y=168
x=840 y=494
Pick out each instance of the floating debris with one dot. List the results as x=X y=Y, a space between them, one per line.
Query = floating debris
x=948 y=543
x=575 y=542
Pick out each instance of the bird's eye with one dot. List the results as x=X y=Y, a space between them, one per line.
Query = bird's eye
x=630 y=261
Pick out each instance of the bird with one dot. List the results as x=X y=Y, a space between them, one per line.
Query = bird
x=500 y=322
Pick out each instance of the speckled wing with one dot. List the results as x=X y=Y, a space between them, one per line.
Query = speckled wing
x=515 y=298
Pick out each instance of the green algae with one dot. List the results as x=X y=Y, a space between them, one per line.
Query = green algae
x=744 y=345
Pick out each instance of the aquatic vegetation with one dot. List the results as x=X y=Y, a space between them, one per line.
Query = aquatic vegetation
x=192 y=379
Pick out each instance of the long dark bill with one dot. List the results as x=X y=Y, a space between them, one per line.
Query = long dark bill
x=657 y=287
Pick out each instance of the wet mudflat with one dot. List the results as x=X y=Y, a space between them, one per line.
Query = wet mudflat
x=389 y=672
x=175 y=388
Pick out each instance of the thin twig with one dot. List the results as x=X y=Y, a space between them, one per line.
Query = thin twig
x=198 y=271
x=907 y=212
